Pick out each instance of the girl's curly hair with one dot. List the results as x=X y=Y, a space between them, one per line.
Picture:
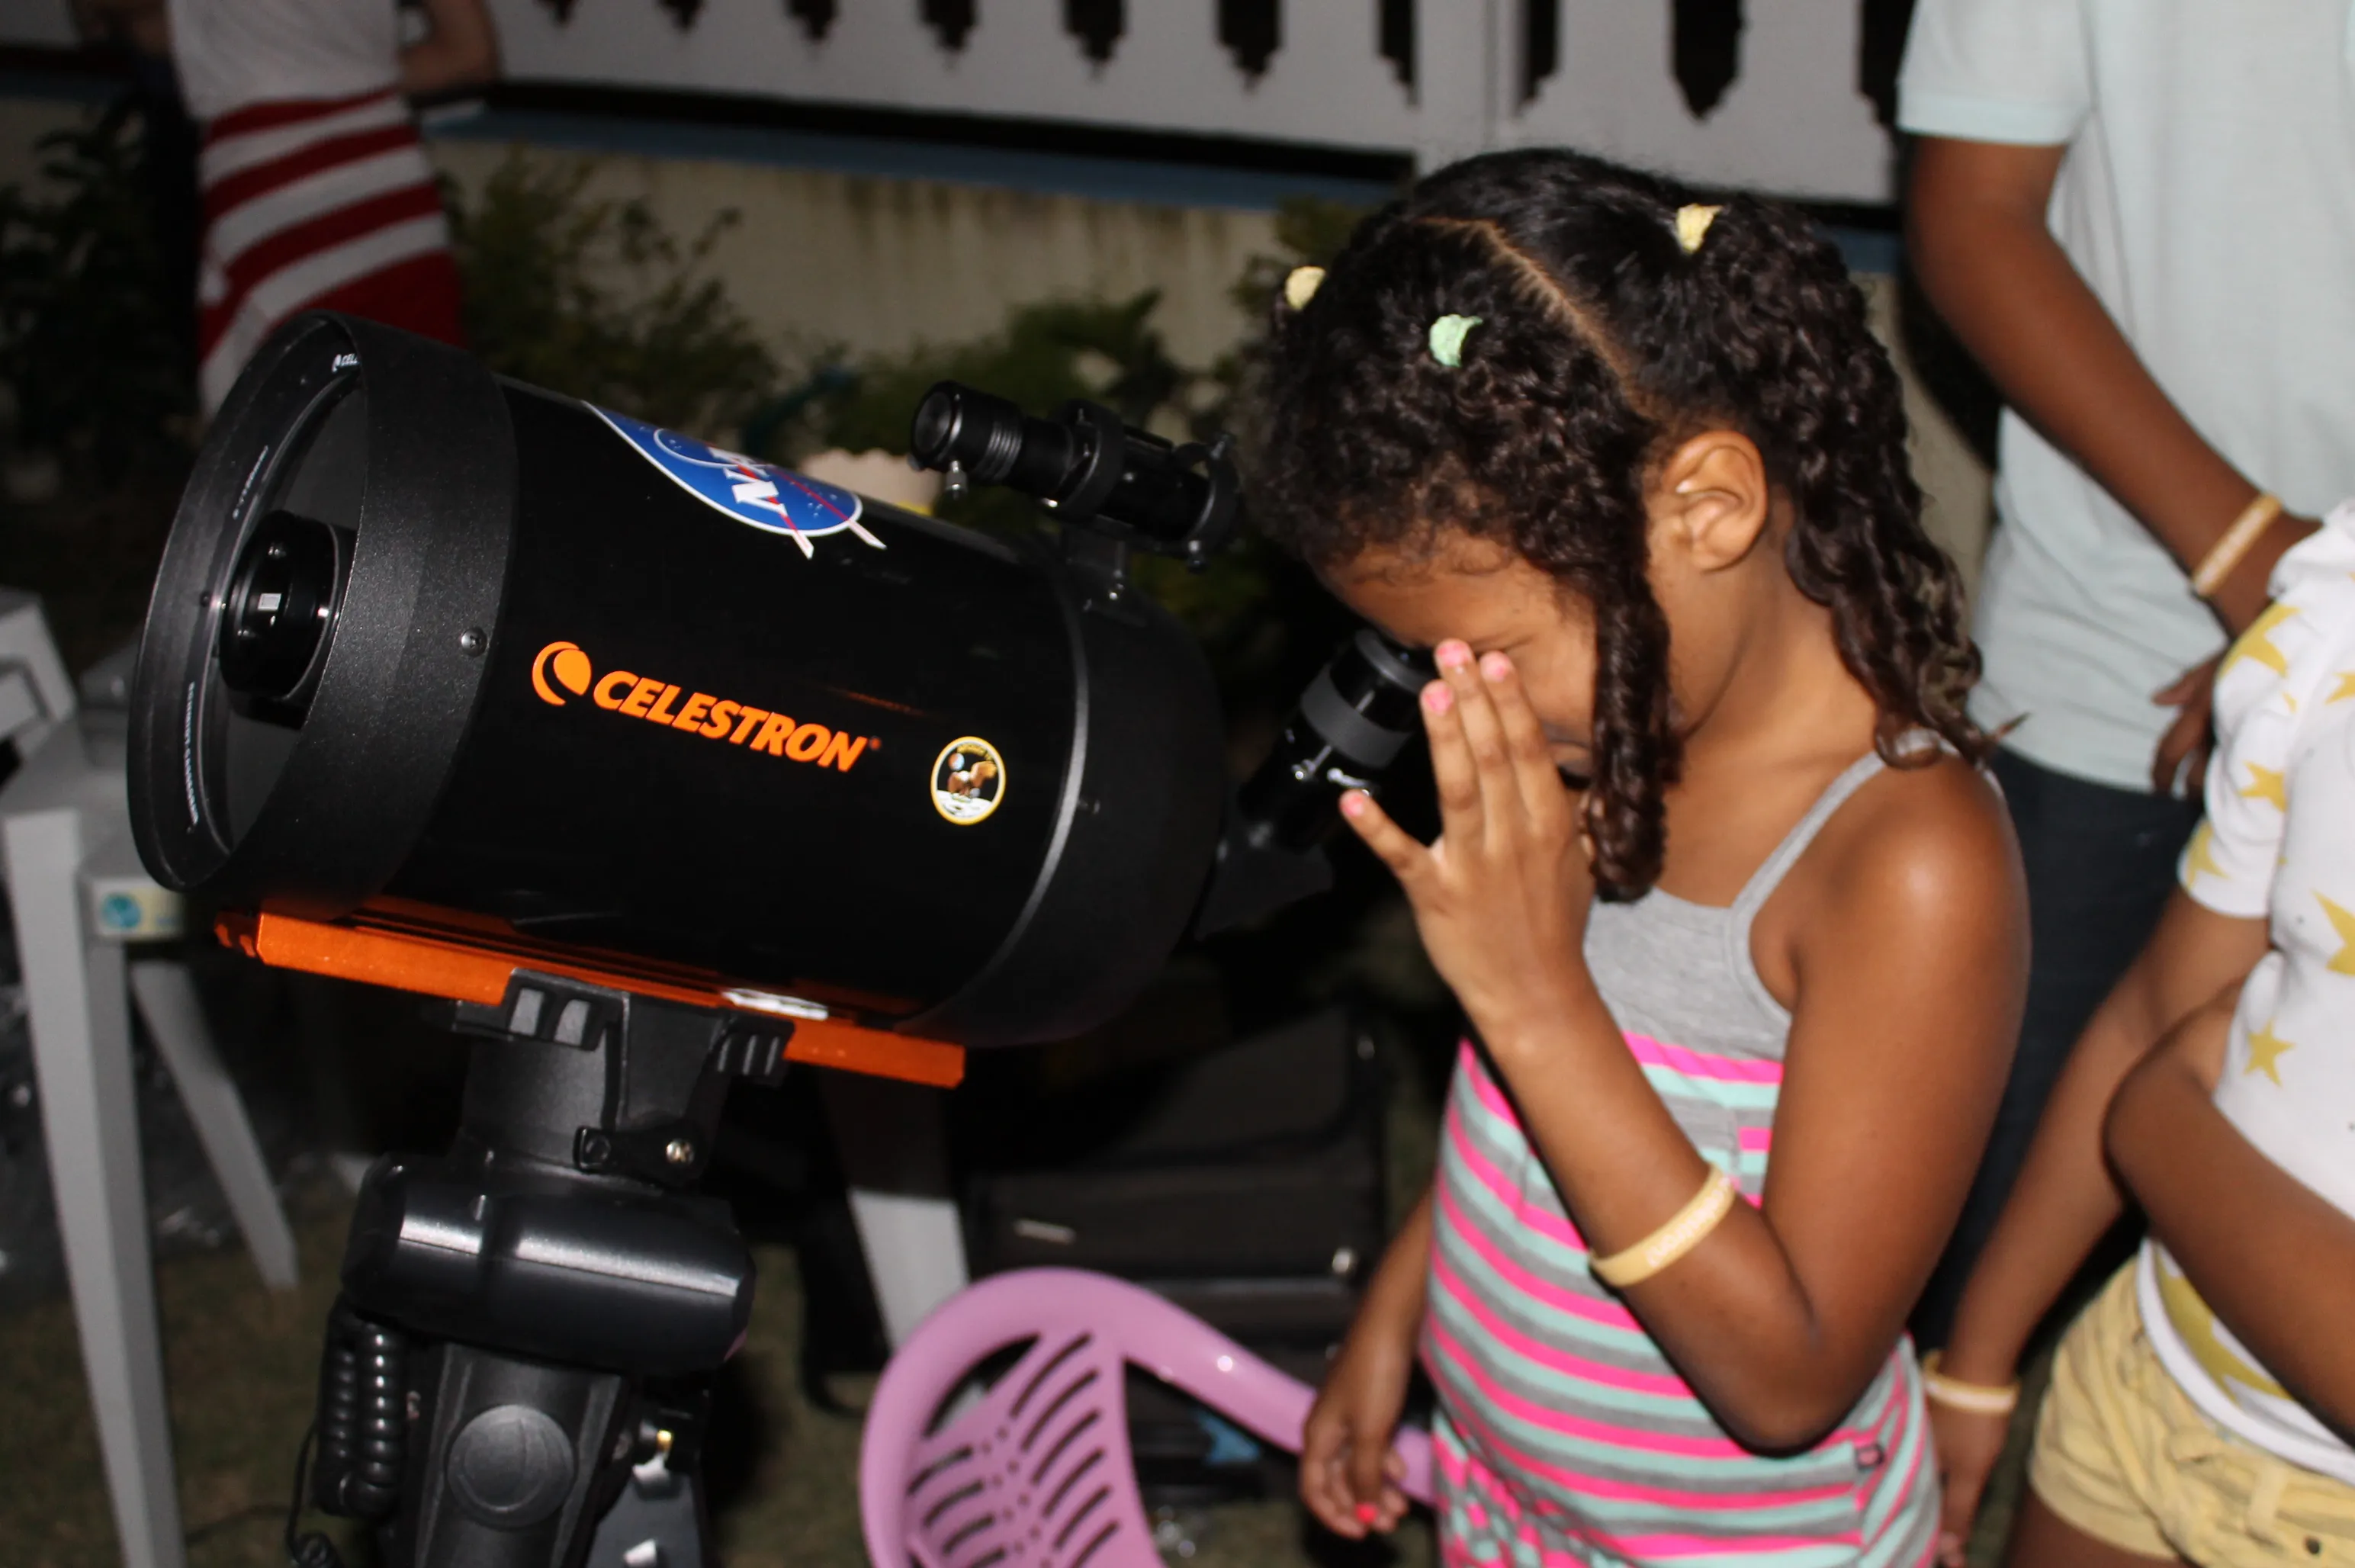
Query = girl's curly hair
x=1602 y=344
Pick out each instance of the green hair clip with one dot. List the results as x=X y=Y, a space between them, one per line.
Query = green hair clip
x=1447 y=336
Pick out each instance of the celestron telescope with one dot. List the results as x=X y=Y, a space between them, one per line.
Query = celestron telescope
x=660 y=767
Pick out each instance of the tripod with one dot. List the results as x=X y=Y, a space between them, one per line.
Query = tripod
x=518 y=1372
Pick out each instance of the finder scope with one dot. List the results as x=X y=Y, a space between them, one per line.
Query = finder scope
x=1086 y=465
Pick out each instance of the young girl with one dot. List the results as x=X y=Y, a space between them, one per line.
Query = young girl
x=1742 y=997
x=2200 y=1407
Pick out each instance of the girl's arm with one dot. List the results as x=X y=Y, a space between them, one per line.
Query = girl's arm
x=462 y=49
x=1348 y=1477
x=2272 y=1258
x=2064 y=1199
x=1910 y=977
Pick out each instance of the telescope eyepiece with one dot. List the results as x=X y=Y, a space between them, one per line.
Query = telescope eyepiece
x=1352 y=722
x=278 y=613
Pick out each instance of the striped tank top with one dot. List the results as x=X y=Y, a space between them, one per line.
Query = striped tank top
x=1563 y=1434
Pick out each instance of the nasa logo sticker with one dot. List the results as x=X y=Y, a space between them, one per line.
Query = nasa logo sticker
x=776 y=500
x=968 y=780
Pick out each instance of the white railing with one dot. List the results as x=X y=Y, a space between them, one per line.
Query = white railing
x=1791 y=120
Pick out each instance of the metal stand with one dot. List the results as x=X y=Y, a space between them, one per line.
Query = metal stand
x=78 y=895
x=892 y=1139
x=517 y=1375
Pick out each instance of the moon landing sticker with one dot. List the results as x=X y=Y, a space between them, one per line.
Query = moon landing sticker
x=968 y=780
x=761 y=494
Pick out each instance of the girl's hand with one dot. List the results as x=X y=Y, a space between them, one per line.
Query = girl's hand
x=1501 y=896
x=1967 y=1444
x=1350 y=1478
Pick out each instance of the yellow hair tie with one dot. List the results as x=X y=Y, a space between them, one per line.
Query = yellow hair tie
x=1692 y=225
x=1300 y=286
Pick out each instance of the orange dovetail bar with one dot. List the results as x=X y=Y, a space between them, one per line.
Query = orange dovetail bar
x=436 y=966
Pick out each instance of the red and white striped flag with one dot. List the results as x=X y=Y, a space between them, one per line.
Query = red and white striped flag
x=326 y=203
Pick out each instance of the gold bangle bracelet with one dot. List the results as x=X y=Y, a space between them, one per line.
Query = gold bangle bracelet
x=2236 y=542
x=1979 y=1399
x=1681 y=1234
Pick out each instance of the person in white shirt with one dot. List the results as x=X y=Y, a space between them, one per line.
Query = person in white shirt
x=2137 y=214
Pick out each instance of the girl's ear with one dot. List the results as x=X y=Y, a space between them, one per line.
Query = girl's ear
x=1711 y=500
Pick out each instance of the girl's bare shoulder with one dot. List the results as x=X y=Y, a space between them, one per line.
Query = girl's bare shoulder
x=1921 y=849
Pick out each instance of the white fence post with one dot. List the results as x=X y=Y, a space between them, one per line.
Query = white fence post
x=1456 y=72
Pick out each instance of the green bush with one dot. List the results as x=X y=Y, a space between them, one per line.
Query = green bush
x=591 y=296
x=89 y=350
x=1052 y=351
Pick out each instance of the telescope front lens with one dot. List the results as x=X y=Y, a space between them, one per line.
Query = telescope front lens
x=280 y=607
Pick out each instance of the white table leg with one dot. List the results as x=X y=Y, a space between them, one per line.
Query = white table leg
x=80 y=1022
x=893 y=1142
x=166 y=998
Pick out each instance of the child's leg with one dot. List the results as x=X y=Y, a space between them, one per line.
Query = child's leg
x=2100 y=1449
x=2043 y=1539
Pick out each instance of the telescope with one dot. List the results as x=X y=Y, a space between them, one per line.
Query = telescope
x=656 y=767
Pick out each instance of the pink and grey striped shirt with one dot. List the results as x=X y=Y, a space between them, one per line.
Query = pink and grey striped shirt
x=1565 y=1435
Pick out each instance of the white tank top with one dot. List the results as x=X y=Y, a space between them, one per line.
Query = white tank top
x=234 y=53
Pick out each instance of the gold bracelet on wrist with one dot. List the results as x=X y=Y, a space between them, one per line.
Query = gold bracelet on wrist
x=1979 y=1399
x=2234 y=543
x=1681 y=1234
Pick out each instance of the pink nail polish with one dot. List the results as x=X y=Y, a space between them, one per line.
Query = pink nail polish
x=1496 y=666
x=1437 y=698
x=1453 y=654
x=1353 y=804
x=1368 y=1513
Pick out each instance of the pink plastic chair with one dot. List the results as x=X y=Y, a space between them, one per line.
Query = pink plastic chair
x=1037 y=1473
